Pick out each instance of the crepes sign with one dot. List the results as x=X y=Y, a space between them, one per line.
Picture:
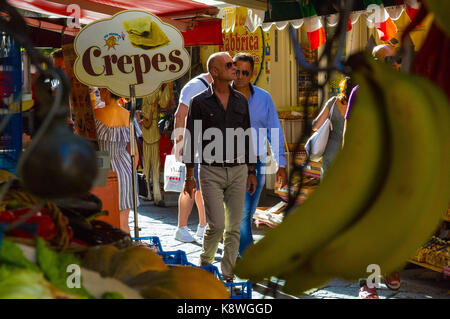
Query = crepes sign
x=132 y=47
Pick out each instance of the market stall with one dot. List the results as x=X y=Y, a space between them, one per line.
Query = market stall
x=51 y=220
x=195 y=21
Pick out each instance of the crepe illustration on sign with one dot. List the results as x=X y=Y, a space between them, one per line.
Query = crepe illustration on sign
x=145 y=33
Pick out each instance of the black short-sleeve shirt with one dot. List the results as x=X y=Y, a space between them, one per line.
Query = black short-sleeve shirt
x=215 y=134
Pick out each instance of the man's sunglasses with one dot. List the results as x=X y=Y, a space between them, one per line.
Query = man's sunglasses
x=393 y=59
x=229 y=65
x=244 y=72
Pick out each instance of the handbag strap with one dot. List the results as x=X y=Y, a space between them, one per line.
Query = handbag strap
x=332 y=109
x=331 y=114
x=203 y=80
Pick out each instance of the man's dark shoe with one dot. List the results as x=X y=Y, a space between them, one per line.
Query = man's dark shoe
x=228 y=279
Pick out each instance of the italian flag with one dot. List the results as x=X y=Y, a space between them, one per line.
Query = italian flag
x=313 y=25
x=412 y=7
x=383 y=22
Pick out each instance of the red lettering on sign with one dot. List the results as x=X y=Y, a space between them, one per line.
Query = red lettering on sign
x=87 y=65
x=245 y=44
x=109 y=61
x=140 y=64
x=256 y=44
x=123 y=61
x=138 y=67
x=156 y=60
x=174 y=57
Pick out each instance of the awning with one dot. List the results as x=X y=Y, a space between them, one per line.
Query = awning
x=187 y=16
x=251 y=4
x=284 y=10
x=290 y=14
x=375 y=12
x=331 y=20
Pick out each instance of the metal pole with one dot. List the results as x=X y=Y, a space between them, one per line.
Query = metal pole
x=133 y=156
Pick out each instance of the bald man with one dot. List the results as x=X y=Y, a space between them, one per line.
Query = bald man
x=386 y=52
x=226 y=170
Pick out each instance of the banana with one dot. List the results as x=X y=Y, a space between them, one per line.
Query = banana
x=408 y=190
x=302 y=279
x=440 y=10
x=344 y=190
x=428 y=223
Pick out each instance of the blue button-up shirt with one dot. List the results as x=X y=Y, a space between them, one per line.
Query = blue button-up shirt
x=264 y=119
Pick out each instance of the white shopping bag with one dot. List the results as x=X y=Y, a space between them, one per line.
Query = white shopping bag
x=174 y=175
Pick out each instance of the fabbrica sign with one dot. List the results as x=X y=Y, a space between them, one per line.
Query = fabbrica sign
x=132 y=47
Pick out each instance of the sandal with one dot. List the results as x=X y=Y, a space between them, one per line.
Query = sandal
x=368 y=293
x=392 y=281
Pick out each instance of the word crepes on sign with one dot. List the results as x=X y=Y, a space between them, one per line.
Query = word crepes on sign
x=131 y=47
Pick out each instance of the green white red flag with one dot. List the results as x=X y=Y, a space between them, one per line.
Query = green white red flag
x=386 y=28
x=313 y=25
x=411 y=8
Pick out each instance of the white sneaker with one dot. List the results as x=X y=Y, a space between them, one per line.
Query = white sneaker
x=200 y=230
x=183 y=234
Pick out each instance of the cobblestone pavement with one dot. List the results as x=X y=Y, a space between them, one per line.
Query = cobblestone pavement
x=417 y=283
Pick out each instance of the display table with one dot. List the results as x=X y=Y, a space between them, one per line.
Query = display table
x=109 y=195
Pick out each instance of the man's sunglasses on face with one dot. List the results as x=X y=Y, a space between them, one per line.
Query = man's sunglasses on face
x=229 y=65
x=392 y=60
x=244 y=72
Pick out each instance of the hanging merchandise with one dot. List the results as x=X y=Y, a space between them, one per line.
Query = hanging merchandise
x=81 y=106
x=267 y=54
x=313 y=25
x=237 y=38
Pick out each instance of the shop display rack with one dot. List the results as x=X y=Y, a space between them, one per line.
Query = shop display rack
x=238 y=290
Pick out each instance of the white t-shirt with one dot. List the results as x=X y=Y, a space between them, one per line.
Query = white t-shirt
x=191 y=89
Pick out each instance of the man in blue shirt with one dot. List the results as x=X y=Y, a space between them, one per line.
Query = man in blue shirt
x=264 y=120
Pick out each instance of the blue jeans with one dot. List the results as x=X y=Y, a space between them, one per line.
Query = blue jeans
x=250 y=204
x=197 y=180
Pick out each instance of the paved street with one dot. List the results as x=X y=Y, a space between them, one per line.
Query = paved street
x=417 y=282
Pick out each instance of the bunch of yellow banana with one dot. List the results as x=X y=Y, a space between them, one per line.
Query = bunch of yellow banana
x=378 y=211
